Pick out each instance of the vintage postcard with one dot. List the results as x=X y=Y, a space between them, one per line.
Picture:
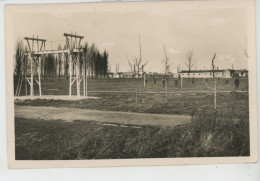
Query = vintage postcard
x=131 y=83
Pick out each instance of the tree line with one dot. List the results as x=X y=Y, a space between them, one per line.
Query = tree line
x=91 y=59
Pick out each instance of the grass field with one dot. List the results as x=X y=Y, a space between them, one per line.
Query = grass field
x=153 y=103
x=224 y=132
x=61 y=86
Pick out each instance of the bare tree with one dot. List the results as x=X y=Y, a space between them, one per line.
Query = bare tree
x=190 y=62
x=167 y=65
x=138 y=62
x=213 y=67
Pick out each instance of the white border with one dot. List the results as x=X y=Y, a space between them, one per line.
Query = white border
x=197 y=172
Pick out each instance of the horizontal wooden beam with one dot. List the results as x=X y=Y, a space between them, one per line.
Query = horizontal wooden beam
x=74 y=36
x=50 y=52
x=44 y=52
x=34 y=39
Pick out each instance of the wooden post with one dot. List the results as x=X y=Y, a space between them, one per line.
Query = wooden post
x=144 y=80
x=84 y=77
x=166 y=86
x=181 y=82
x=25 y=86
x=77 y=76
x=31 y=88
x=136 y=98
x=39 y=76
x=70 y=71
x=215 y=96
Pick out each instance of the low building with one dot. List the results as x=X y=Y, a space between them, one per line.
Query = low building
x=128 y=74
x=205 y=73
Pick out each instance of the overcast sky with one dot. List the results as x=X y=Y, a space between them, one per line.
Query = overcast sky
x=116 y=28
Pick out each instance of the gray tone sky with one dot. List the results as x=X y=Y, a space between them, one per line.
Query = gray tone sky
x=115 y=27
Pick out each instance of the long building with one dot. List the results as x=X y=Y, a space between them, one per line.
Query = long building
x=228 y=73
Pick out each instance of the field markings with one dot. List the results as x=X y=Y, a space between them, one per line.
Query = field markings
x=121 y=118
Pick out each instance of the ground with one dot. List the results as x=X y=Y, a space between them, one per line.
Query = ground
x=122 y=124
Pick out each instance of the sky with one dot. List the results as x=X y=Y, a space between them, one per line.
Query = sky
x=116 y=27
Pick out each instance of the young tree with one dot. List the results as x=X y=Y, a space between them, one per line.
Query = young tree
x=190 y=62
x=166 y=65
x=138 y=63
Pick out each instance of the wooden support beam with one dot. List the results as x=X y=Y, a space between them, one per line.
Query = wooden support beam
x=36 y=81
x=39 y=76
x=32 y=44
x=67 y=43
x=79 y=43
x=29 y=45
x=35 y=39
x=70 y=72
x=37 y=44
x=77 y=72
x=31 y=85
x=74 y=78
x=41 y=46
x=44 y=52
x=73 y=36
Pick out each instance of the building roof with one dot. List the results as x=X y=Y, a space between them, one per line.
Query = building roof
x=199 y=71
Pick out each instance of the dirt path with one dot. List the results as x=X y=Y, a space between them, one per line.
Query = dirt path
x=124 y=118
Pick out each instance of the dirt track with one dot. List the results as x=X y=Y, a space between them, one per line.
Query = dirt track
x=122 y=118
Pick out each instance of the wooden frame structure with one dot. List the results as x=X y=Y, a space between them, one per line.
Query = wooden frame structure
x=73 y=50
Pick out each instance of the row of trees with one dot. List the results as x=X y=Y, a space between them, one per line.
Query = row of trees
x=57 y=65
x=138 y=63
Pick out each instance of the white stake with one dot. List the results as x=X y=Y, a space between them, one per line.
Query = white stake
x=31 y=91
x=70 y=71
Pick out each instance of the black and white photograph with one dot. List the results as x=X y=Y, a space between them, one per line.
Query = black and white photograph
x=131 y=83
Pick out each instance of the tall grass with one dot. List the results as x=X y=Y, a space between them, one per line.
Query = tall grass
x=210 y=134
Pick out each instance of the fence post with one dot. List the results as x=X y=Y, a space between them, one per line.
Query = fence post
x=136 y=98
x=181 y=82
x=215 y=96
x=144 y=79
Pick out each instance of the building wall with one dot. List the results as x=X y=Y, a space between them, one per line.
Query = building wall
x=224 y=74
x=196 y=75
